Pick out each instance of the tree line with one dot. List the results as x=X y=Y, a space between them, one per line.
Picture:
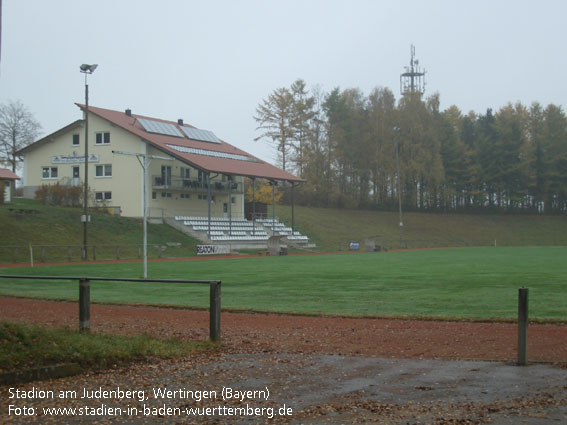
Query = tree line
x=360 y=151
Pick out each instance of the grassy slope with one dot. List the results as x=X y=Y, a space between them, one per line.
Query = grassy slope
x=332 y=229
x=62 y=226
x=475 y=282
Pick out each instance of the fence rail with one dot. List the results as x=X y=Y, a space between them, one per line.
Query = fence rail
x=85 y=303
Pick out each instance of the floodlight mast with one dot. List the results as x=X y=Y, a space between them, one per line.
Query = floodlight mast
x=397 y=144
x=145 y=163
x=86 y=69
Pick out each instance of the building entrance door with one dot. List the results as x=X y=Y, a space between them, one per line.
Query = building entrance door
x=76 y=176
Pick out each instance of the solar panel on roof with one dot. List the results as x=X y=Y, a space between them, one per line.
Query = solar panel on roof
x=202 y=135
x=158 y=127
x=205 y=152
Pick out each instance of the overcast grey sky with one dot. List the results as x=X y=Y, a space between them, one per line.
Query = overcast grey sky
x=212 y=62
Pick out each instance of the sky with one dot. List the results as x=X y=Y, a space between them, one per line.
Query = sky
x=212 y=62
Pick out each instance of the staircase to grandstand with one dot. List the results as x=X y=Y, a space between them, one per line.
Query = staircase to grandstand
x=239 y=233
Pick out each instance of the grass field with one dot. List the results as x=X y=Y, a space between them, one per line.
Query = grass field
x=457 y=283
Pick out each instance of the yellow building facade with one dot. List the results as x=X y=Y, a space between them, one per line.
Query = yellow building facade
x=185 y=175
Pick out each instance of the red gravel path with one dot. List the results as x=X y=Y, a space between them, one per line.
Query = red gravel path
x=281 y=333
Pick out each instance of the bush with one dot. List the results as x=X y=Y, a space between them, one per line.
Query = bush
x=56 y=194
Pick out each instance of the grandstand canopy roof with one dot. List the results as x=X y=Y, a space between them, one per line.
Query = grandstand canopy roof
x=196 y=147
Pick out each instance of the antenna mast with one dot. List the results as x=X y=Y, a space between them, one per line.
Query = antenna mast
x=413 y=80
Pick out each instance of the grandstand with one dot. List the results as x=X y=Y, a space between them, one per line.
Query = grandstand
x=240 y=233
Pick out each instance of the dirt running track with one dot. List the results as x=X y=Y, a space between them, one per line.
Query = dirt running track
x=334 y=370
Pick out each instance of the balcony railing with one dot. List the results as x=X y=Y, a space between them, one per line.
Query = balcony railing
x=189 y=185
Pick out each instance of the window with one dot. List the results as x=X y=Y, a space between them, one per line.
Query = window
x=154 y=195
x=103 y=196
x=185 y=173
x=103 y=170
x=49 y=172
x=76 y=140
x=103 y=138
x=233 y=200
x=166 y=175
x=185 y=196
x=166 y=194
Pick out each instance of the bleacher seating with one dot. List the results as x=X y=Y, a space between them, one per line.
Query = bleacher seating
x=241 y=230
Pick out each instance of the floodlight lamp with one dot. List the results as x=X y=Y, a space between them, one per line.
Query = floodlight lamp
x=88 y=69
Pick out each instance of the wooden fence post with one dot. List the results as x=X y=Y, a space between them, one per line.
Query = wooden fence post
x=523 y=326
x=118 y=252
x=70 y=253
x=94 y=253
x=84 y=305
x=215 y=289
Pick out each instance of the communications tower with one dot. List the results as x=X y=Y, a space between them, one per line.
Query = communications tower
x=413 y=80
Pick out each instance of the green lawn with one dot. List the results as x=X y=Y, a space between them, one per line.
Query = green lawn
x=457 y=283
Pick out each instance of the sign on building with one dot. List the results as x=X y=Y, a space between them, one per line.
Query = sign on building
x=73 y=159
x=213 y=249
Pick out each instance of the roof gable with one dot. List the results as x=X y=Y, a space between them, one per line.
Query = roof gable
x=50 y=137
x=215 y=156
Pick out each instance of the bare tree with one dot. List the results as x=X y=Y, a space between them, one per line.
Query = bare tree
x=18 y=128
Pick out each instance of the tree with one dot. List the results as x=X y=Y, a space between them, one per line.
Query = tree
x=264 y=193
x=303 y=113
x=18 y=128
x=317 y=157
x=275 y=116
x=381 y=113
x=555 y=159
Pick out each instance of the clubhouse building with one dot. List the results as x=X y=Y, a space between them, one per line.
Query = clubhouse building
x=189 y=174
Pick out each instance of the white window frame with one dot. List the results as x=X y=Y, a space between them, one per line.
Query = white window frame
x=50 y=175
x=105 y=171
x=103 y=196
x=103 y=138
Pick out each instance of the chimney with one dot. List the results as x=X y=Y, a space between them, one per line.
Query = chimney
x=128 y=112
x=180 y=122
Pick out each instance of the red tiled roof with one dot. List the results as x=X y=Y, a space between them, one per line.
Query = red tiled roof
x=253 y=167
x=6 y=174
